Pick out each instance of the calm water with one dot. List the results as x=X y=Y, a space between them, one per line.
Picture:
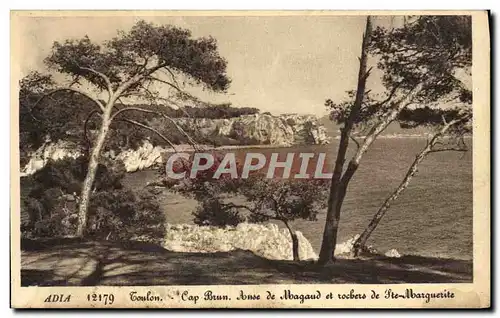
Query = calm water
x=433 y=217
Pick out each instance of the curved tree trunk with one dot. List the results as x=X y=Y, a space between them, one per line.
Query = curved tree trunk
x=360 y=243
x=90 y=177
x=295 y=242
x=338 y=187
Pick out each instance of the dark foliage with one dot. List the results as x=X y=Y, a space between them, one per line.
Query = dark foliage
x=59 y=116
x=284 y=199
x=428 y=50
x=213 y=212
x=217 y=111
x=49 y=203
x=130 y=52
x=49 y=120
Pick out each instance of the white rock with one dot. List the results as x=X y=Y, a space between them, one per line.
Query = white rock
x=268 y=240
x=142 y=158
x=283 y=130
x=55 y=151
x=392 y=253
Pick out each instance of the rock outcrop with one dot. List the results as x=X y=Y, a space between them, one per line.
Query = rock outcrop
x=55 y=151
x=267 y=240
x=264 y=129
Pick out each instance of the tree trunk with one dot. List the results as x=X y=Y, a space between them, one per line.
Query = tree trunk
x=360 y=243
x=338 y=188
x=295 y=242
x=91 y=173
x=295 y=247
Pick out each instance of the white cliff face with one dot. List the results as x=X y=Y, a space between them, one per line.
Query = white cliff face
x=50 y=151
x=134 y=160
x=268 y=240
x=285 y=130
x=142 y=158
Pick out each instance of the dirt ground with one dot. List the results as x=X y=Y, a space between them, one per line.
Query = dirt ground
x=73 y=262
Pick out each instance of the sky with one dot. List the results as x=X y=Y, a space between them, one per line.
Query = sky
x=280 y=64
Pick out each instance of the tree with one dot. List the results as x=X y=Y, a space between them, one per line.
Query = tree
x=50 y=119
x=130 y=66
x=49 y=204
x=266 y=199
x=282 y=200
x=419 y=63
x=450 y=124
x=432 y=146
x=336 y=191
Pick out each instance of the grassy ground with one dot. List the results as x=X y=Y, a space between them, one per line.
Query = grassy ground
x=73 y=262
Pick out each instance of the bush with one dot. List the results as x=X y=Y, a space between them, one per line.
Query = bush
x=122 y=215
x=212 y=212
x=266 y=199
x=49 y=204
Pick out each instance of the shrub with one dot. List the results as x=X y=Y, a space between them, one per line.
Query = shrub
x=212 y=211
x=123 y=215
x=50 y=204
x=281 y=200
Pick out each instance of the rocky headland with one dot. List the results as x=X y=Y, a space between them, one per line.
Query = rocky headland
x=261 y=129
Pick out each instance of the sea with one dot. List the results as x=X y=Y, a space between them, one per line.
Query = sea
x=432 y=217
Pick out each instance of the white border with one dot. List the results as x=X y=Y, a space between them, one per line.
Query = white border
x=185 y=4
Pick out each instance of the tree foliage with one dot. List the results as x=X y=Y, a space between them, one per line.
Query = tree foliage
x=419 y=62
x=427 y=50
x=54 y=118
x=264 y=199
x=50 y=198
x=131 y=65
x=139 y=51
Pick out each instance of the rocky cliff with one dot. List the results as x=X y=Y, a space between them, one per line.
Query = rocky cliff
x=264 y=129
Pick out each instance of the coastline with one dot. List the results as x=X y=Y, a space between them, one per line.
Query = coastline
x=190 y=148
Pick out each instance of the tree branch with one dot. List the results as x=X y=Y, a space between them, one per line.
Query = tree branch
x=101 y=75
x=389 y=97
x=375 y=131
x=150 y=129
x=192 y=142
x=449 y=149
x=252 y=211
x=168 y=83
x=170 y=101
x=172 y=75
x=177 y=88
x=355 y=141
x=72 y=89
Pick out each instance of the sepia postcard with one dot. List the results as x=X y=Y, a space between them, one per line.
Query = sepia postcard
x=250 y=159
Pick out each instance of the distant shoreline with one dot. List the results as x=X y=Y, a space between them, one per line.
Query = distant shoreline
x=190 y=148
